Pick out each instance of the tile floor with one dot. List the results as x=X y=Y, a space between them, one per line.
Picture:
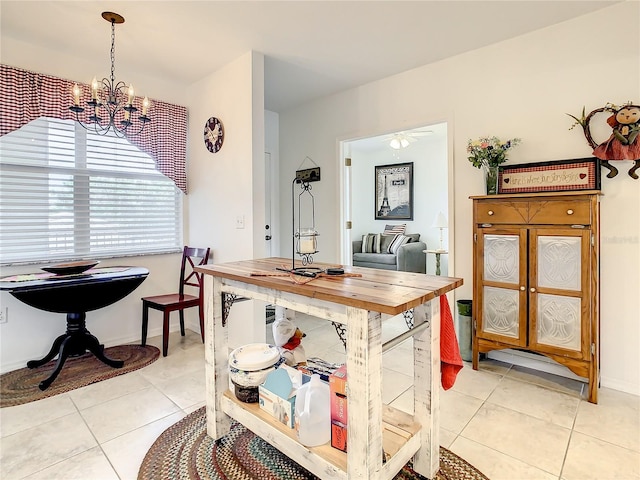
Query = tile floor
x=511 y=423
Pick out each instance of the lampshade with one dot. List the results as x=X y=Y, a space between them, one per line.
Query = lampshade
x=440 y=221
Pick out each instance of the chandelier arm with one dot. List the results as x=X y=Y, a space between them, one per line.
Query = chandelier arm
x=140 y=128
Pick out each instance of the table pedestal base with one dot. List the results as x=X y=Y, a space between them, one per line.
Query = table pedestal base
x=75 y=342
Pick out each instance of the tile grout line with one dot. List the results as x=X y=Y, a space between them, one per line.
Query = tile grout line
x=94 y=436
x=573 y=425
x=486 y=401
x=98 y=445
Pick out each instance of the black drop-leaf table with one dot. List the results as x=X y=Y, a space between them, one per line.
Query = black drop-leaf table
x=74 y=295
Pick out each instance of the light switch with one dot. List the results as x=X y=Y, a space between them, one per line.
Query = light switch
x=240 y=221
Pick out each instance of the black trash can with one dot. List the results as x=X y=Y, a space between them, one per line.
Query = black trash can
x=464 y=330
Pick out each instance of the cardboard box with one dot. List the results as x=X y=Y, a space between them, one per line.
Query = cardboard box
x=319 y=366
x=277 y=395
x=338 y=389
x=338 y=435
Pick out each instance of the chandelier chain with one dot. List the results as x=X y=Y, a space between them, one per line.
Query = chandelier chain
x=113 y=52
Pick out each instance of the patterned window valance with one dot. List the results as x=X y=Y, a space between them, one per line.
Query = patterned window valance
x=26 y=96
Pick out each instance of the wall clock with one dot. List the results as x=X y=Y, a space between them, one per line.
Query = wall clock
x=213 y=134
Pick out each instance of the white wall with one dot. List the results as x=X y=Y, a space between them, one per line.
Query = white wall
x=517 y=88
x=229 y=184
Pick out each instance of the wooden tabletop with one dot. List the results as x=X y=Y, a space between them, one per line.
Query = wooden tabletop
x=385 y=291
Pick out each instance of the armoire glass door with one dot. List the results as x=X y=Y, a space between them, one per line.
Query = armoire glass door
x=502 y=286
x=559 y=289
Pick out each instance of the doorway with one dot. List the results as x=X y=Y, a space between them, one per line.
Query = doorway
x=428 y=149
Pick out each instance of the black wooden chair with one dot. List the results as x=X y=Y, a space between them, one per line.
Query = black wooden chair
x=178 y=301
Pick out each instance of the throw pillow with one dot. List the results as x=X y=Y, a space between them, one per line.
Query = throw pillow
x=397 y=242
x=394 y=229
x=385 y=242
x=413 y=237
x=371 y=243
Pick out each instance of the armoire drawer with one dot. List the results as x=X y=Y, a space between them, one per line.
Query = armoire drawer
x=502 y=212
x=549 y=212
x=561 y=212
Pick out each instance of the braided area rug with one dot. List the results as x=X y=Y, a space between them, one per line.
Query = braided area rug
x=21 y=386
x=185 y=452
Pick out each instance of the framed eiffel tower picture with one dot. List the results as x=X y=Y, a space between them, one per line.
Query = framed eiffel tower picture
x=394 y=192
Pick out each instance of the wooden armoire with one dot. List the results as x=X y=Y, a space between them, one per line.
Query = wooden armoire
x=536 y=277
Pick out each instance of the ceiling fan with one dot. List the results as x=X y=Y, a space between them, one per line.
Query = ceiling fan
x=400 y=140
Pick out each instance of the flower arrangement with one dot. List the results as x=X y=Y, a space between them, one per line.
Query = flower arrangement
x=489 y=151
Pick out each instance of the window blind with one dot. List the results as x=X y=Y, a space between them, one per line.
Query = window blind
x=67 y=193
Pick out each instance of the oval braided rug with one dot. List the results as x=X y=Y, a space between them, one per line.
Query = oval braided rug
x=21 y=386
x=185 y=452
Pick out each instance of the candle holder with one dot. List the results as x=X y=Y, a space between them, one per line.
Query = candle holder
x=305 y=239
x=306 y=244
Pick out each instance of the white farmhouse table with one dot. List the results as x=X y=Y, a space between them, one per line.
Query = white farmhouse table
x=357 y=304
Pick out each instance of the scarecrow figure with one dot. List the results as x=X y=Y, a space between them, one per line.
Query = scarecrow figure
x=624 y=142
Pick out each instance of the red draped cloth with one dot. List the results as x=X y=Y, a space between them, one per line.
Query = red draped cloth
x=450 y=359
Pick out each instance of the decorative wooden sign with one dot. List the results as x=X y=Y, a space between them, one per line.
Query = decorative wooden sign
x=553 y=176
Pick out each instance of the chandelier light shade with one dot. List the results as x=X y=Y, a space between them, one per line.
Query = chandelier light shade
x=399 y=141
x=110 y=107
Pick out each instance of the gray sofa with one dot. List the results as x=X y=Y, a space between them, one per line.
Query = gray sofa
x=410 y=257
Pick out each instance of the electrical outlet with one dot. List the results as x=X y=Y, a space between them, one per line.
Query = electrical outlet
x=240 y=221
x=4 y=315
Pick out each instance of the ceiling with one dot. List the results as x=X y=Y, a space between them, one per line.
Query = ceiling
x=311 y=48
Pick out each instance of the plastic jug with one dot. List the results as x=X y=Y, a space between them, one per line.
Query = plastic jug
x=313 y=413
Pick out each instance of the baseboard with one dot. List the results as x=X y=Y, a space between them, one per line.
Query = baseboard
x=535 y=362
x=110 y=342
x=10 y=367
x=626 y=387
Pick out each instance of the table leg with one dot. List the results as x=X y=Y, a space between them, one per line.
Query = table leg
x=62 y=357
x=426 y=386
x=93 y=345
x=55 y=349
x=437 y=264
x=216 y=358
x=364 y=370
x=75 y=342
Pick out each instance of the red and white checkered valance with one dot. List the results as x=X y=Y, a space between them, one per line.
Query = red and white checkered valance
x=25 y=96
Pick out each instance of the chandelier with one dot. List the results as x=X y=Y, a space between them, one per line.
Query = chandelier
x=111 y=105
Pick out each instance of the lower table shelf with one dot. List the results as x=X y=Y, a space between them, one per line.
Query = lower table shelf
x=401 y=439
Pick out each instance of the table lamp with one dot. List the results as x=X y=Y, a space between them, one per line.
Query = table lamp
x=440 y=222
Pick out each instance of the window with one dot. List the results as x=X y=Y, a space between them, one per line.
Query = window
x=67 y=193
